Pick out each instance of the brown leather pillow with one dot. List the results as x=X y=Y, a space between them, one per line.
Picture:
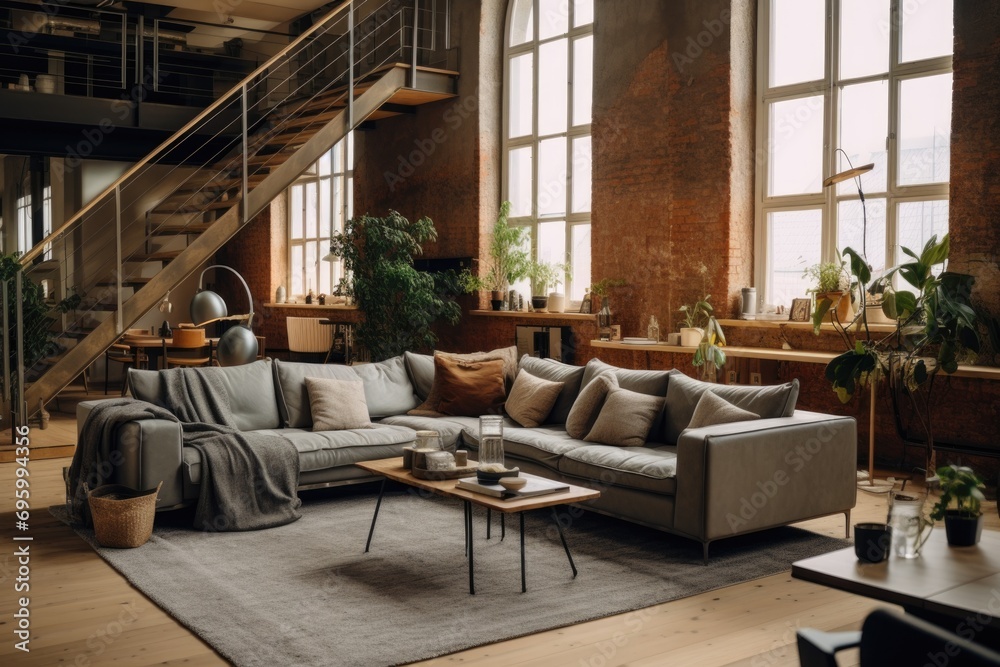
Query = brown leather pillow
x=469 y=388
x=508 y=355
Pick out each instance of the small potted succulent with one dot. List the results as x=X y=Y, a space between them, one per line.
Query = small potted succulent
x=832 y=288
x=963 y=523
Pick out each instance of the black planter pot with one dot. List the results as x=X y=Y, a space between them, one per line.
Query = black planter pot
x=496 y=304
x=962 y=531
x=539 y=302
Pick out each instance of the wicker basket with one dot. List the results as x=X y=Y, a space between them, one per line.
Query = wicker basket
x=123 y=517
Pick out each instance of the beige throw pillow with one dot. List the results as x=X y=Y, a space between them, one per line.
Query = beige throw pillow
x=625 y=419
x=712 y=409
x=588 y=404
x=531 y=399
x=337 y=405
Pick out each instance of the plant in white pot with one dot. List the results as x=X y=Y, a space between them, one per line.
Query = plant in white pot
x=702 y=331
x=963 y=523
x=545 y=275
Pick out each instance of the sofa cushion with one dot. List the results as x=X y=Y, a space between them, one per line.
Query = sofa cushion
x=556 y=371
x=531 y=399
x=291 y=380
x=431 y=405
x=713 y=409
x=588 y=405
x=545 y=444
x=625 y=419
x=388 y=390
x=250 y=389
x=652 y=383
x=319 y=450
x=451 y=433
x=420 y=368
x=469 y=388
x=337 y=405
x=639 y=468
x=684 y=393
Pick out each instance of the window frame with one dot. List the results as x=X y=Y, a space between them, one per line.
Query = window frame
x=534 y=139
x=830 y=87
x=312 y=175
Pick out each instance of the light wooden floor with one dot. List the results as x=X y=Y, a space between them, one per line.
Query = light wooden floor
x=85 y=613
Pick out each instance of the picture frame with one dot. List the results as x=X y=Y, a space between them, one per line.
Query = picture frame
x=616 y=332
x=800 y=311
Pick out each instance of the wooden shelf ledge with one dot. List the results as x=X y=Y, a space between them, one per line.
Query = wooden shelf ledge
x=534 y=316
x=316 y=306
x=805 y=326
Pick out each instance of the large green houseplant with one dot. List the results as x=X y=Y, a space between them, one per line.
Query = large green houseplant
x=35 y=319
x=937 y=328
x=400 y=303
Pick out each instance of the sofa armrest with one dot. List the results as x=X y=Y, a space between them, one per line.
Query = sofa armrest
x=737 y=478
x=150 y=453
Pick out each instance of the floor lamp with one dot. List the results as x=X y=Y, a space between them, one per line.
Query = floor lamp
x=847 y=174
x=237 y=345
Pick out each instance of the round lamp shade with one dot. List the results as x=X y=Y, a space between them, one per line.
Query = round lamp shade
x=236 y=347
x=207 y=306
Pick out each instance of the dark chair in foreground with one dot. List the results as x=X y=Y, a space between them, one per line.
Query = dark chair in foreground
x=888 y=638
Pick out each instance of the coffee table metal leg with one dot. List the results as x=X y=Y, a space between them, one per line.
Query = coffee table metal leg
x=465 y=526
x=472 y=580
x=555 y=516
x=378 y=504
x=503 y=525
x=489 y=521
x=524 y=583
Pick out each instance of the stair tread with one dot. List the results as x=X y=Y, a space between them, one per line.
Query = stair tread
x=141 y=280
x=209 y=206
x=161 y=256
x=174 y=230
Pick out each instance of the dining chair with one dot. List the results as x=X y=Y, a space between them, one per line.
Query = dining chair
x=128 y=357
x=183 y=355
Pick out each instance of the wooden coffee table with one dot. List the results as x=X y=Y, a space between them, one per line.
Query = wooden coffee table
x=392 y=469
x=945 y=585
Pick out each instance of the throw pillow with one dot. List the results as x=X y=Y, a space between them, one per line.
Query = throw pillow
x=588 y=404
x=431 y=406
x=625 y=419
x=469 y=388
x=388 y=390
x=683 y=394
x=531 y=399
x=337 y=405
x=712 y=409
x=556 y=371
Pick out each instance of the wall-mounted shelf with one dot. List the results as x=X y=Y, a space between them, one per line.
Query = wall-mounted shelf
x=524 y=315
x=311 y=306
x=806 y=326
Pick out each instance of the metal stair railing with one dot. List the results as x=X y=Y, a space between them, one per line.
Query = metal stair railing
x=115 y=259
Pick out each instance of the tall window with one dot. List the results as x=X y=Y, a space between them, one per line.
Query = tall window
x=548 y=73
x=25 y=238
x=319 y=203
x=873 y=79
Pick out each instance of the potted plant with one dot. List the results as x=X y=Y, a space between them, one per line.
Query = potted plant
x=937 y=327
x=543 y=275
x=963 y=523
x=832 y=283
x=400 y=303
x=509 y=260
x=702 y=331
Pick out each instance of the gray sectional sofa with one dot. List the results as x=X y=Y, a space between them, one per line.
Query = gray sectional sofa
x=701 y=483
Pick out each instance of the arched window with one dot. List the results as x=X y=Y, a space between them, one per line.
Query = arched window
x=548 y=92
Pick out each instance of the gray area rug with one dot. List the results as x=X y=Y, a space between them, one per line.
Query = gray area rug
x=307 y=594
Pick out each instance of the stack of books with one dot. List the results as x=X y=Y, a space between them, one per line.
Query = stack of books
x=536 y=486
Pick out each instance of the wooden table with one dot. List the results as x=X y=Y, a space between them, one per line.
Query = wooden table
x=152 y=345
x=392 y=469
x=948 y=586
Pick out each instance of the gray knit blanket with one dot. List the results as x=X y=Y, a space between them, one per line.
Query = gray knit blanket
x=248 y=480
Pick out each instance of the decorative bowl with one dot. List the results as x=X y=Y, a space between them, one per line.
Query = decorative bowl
x=513 y=483
x=494 y=477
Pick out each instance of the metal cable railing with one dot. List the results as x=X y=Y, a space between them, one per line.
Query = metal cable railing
x=105 y=257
